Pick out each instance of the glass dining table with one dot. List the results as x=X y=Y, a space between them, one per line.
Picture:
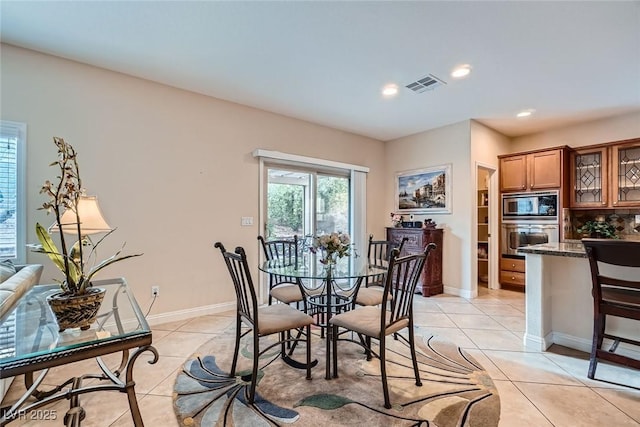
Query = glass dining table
x=327 y=289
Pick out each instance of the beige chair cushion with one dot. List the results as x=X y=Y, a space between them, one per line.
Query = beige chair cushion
x=279 y=318
x=370 y=296
x=287 y=293
x=366 y=320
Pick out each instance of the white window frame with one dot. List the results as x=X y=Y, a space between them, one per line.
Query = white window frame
x=358 y=190
x=19 y=129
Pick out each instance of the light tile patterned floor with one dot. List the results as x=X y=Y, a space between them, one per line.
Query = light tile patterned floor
x=536 y=388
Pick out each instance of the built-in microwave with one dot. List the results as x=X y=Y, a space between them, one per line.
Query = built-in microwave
x=530 y=206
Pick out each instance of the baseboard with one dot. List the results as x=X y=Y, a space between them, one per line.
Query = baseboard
x=572 y=342
x=583 y=344
x=190 y=313
x=177 y=316
x=537 y=343
x=464 y=293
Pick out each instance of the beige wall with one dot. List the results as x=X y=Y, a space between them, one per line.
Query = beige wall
x=173 y=170
x=448 y=144
x=615 y=128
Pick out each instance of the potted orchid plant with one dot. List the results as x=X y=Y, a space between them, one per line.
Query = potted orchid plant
x=72 y=260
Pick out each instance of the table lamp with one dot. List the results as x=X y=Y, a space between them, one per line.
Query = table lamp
x=91 y=221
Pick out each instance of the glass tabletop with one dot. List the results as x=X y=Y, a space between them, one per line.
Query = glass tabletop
x=310 y=267
x=35 y=331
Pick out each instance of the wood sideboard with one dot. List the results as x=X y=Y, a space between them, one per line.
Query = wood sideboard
x=431 y=278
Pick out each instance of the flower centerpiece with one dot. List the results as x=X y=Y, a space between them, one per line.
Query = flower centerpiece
x=331 y=246
x=78 y=302
x=396 y=219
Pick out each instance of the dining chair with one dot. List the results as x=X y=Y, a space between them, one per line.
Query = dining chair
x=394 y=314
x=378 y=253
x=262 y=321
x=615 y=270
x=283 y=288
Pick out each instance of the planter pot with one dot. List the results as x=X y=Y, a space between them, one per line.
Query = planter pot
x=78 y=311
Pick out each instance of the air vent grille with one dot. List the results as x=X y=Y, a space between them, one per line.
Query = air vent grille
x=428 y=82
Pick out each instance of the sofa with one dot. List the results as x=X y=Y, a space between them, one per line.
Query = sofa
x=17 y=284
x=15 y=281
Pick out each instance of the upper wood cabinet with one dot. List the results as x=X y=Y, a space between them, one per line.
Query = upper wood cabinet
x=606 y=176
x=625 y=174
x=539 y=170
x=589 y=178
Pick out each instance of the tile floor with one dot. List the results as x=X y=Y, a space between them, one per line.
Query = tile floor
x=536 y=388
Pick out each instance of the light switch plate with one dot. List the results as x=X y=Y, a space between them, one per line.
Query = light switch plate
x=637 y=219
x=246 y=221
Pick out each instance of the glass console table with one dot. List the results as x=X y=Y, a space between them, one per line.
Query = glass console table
x=38 y=346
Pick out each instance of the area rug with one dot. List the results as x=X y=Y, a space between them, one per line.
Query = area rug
x=456 y=390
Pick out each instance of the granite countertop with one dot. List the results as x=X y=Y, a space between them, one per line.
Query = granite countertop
x=570 y=249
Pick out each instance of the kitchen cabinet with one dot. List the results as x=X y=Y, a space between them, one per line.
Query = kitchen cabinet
x=589 y=178
x=512 y=271
x=606 y=176
x=532 y=171
x=625 y=174
x=430 y=282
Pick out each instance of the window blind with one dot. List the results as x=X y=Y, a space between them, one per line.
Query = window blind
x=11 y=239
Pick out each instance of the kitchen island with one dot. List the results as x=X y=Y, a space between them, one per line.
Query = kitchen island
x=559 y=305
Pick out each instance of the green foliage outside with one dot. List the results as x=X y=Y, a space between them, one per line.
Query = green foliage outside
x=286 y=204
x=286 y=207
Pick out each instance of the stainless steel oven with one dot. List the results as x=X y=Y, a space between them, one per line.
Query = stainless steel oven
x=535 y=206
x=527 y=233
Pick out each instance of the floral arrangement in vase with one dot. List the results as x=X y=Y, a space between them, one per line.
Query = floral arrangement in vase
x=331 y=246
x=396 y=219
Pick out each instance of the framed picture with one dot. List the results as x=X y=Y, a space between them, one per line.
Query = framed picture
x=424 y=190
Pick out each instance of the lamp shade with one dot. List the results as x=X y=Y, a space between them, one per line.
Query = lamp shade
x=91 y=219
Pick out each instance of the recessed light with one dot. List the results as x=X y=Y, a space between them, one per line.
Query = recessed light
x=461 y=71
x=390 y=90
x=525 y=113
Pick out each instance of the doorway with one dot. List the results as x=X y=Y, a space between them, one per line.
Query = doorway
x=486 y=222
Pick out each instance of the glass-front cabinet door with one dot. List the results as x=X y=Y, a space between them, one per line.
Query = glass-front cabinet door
x=626 y=174
x=589 y=178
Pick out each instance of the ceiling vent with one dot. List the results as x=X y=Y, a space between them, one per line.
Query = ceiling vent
x=428 y=82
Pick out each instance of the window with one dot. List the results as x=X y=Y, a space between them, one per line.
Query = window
x=346 y=208
x=293 y=195
x=12 y=192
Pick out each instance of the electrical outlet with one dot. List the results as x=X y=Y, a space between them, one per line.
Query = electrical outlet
x=155 y=291
x=637 y=219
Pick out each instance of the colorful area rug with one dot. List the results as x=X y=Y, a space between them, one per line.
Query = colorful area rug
x=456 y=390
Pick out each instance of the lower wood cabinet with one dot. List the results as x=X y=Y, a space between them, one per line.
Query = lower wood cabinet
x=431 y=278
x=512 y=271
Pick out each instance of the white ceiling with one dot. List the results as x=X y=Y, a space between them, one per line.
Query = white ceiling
x=326 y=62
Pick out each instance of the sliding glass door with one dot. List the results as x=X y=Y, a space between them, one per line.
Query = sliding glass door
x=306 y=202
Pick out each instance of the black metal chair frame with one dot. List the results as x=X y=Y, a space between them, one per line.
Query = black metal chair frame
x=401 y=280
x=378 y=252
x=612 y=297
x=248 y=313
x=284 y=251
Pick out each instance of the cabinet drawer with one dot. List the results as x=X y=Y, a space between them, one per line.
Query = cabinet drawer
x=511 y=277
x=512 y=264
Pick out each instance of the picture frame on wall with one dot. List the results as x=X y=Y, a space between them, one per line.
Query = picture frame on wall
x=424 y=191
